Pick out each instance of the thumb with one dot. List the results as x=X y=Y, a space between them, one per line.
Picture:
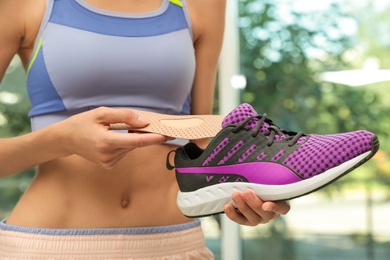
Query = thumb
x=133 y=119
x=122 y=115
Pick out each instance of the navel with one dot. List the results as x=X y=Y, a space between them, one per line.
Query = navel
x=125 y=201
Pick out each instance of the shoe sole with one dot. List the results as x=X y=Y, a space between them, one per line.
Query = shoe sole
x=177 y=126
x=211 y=200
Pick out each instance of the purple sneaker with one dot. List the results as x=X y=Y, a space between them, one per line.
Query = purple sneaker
x=251 y=153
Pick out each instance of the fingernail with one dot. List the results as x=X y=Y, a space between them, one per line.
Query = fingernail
x=248 y=196
x=142 y=119
x=236 y=199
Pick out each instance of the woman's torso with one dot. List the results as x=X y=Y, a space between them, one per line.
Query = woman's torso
x=72 y=192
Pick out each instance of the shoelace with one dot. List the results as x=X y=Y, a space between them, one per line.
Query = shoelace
x=273 y=130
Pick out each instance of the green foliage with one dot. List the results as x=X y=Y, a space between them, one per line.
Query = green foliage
x=282 y=52
x=14 y=104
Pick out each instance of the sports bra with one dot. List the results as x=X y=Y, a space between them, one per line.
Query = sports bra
x=85 y=57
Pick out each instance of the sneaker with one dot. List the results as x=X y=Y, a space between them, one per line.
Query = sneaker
x=252 y=153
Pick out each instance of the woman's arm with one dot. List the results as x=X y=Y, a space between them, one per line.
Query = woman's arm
x=207 y=44
x=208 y=26
x=11 y=32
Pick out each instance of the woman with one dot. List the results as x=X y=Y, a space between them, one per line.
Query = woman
x=94 y=194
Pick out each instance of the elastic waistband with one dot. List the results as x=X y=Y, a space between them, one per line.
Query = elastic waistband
x=100 y=231
x=185 y=241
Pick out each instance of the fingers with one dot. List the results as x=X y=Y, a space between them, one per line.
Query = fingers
x=250 y=210
x=92 y=140
x=235 y=216
x=135 y=140
x=145 y=139
x=281 y=207
x=249 y=205
x=114 y=146
x=120 y=115
x=107 y=115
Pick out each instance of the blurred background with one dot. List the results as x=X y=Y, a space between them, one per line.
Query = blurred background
x=312 y=66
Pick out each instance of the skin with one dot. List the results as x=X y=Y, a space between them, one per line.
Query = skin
x=107 y=179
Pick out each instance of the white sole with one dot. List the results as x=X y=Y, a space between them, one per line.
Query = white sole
x=211 y=200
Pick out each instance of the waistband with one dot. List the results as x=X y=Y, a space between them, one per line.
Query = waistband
x=100 y=231
x=184 y=241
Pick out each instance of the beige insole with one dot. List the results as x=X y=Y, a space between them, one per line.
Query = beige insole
x=177 y=126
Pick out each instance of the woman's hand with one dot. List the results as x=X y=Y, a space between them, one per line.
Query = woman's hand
x=250 y=210
x=88 y=135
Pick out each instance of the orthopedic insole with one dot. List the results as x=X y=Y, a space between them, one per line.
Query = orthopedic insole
x=177 y=126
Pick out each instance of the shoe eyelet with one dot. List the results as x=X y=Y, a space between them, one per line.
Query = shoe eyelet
x=235 y=131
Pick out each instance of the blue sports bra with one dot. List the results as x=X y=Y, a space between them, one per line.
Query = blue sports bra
x=85 y=57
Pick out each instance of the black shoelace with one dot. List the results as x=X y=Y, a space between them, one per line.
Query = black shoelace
x=271 y=132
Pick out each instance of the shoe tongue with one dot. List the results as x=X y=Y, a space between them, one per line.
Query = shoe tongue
x=242 y=112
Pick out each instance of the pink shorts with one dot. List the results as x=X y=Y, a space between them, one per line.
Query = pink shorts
x=184 y=241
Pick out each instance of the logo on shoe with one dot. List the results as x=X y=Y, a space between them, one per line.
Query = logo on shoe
x=223 y=179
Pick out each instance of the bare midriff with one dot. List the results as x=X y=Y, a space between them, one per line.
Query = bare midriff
x=72 y=192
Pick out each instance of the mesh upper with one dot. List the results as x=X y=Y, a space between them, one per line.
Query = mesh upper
x=322 y=152
x=315 y=154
